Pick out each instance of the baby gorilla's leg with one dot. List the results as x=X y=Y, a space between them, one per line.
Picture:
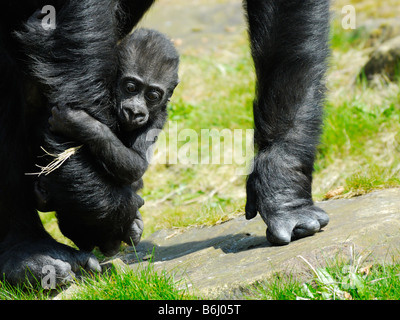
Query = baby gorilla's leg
x=133 y=231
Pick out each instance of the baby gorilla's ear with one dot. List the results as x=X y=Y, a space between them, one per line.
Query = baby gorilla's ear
x=176 y=84
x=171 y=90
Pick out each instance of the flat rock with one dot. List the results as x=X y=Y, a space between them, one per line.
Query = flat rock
x=223 y=260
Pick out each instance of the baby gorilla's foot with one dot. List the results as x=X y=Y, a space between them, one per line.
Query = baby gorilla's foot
x=135 y=231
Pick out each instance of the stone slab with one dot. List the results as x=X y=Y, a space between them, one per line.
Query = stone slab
x=222 y=260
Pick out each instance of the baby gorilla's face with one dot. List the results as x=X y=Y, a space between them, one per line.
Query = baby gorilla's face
x=147 y=77
x=135 y=100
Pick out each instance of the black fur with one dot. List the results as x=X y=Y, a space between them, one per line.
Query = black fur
x=76 y=63
x=83 y=66
x=97 y=204
x=289 y=47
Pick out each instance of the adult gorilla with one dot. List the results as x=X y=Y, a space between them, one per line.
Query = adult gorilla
x=289 y=46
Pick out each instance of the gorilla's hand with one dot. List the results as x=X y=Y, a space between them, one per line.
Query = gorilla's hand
x=287 y=210
x=38 y=258
x=71 y=123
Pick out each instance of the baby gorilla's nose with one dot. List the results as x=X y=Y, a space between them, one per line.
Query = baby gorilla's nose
x=142 y=121
x=140 y=117
x=135 y=117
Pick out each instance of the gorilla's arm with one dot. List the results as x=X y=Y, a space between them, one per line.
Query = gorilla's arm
x=129 y=14
x=289 y=42
x=126 y=163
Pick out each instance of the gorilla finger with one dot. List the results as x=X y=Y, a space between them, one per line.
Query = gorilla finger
x=279 y=231
x=62 y=271
x=251 y=201
x=135 y=233
x=250 y=209
x=305 y=229
x=139 y=220
x=140 y=201
x=280 y=238
x=55 y=111
x=321 y=216
x=89 y=262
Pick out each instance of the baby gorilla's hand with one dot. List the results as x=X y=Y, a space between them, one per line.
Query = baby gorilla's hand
x=69 y=122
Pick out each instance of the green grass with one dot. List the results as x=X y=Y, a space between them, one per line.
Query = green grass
x=203 y=100
x=116 y=283
x=28 y=291
x=143 y=283
x=337 y=281
x=345 y=40
x=359 y=147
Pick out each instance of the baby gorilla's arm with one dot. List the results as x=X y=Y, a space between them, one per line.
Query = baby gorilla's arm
x=125 y=164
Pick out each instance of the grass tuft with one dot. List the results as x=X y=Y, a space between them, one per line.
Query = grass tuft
x=339 y=280
x=141 y=283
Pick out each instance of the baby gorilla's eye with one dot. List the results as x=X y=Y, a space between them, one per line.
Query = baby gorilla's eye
x=153 y=96
x=131 y=87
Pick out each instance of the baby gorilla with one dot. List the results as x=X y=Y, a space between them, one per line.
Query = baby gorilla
x=147 y=77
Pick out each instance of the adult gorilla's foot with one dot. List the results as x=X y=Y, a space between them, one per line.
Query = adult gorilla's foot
x=32 y=259
x=288 y=113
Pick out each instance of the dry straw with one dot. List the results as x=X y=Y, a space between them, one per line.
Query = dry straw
x=58 y=161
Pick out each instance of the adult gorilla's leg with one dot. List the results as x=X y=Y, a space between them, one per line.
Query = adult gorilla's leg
x=24 y=244
x=23 y=241
x=289 y=47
